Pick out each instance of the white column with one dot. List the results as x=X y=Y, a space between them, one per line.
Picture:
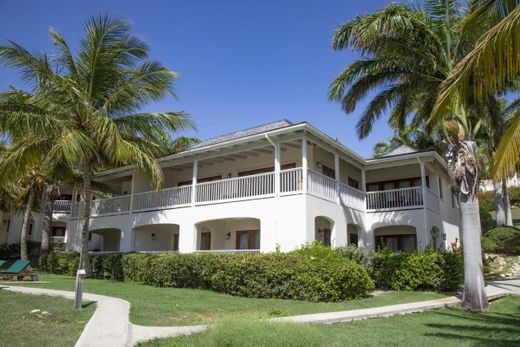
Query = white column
x=132 y=190
x=364 y=187
x=277 y=159
x=305 y=164
x=423 y=185
x=194 y=182
x=336 y=174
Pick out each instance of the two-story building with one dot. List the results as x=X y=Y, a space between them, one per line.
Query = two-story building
x=275 y=186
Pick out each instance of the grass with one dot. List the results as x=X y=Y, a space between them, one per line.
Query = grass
x=174 y=306
x=444 y=327
x=18 y=327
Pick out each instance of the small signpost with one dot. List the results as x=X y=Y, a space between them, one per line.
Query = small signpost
x=79 y=288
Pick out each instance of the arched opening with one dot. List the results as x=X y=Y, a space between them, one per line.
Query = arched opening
x=353 y=234
x=156 y=237
x=104 y=240
x=396 y=238
x=229 y=234
x=323 y=227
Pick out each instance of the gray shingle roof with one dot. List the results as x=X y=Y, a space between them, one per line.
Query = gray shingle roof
x=243 y=133
x=403 y=149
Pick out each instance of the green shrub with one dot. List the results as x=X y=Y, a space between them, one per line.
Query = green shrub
x=107 y=266
x=360 y=255
x=60 y=262
x=486 y=203
x=502 y=240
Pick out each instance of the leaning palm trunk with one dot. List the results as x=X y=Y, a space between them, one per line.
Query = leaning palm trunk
x=84 y=262
x=507 y=203
x=464 y=166
x=49 y=195
x=25 y=225
x=500 y=216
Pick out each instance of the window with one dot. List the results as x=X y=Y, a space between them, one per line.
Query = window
x=440 y=188
x=326 y=237
x=249 y=239
x=352 y=239
x=58 y=231
x=327 y=171
x=200 y=180
x=205 y=241
x=353 y=183
x=30 y=229
x=175 y=242
x=397 y=243
x=266 y=169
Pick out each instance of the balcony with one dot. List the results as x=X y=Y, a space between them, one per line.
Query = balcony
x=261 y=186
x=62 y=206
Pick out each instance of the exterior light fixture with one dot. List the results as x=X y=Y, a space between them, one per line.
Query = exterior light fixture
x=154 y=236
x=228 y=236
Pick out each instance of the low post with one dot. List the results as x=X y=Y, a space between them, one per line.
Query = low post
x=79 y=288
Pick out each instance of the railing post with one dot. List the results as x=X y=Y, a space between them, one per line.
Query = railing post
x=277 y=159
x=364 y=187
x=423 y=183
x=336 y=175
x=132 y=190
x=305 y=165
x=194 y=182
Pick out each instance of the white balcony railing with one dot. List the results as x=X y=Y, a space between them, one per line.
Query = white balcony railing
x=291 y=180
x=166 y=198
x=117 y=205
x=230 y=251
x=432 y=200
x=395 y=199
x=352 y=197
x=322 y=185
x=62 y=206
x=57 y=239
x=263 y=185
x=236 y=188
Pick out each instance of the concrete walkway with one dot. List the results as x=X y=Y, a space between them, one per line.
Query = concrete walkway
x=110 y=326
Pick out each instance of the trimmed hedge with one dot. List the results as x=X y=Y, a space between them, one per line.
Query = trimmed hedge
x=428 y=270
x=502 y=240
x=313 y=273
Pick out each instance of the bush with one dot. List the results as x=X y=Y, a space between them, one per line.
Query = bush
x=486 y=201
x=60 y=262
x=428 y=270
x=502 y=240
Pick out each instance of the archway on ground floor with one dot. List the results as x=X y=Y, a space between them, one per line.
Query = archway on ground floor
x=396 y=238
x=156 y=237
x=228 y=234
x=323 y=230
x=106 y=239
x=353 y=234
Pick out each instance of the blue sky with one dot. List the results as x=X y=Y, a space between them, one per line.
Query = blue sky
x=242 y=63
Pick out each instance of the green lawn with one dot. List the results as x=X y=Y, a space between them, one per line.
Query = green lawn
x=173 y=306
x=444 y=327
x=18 y=327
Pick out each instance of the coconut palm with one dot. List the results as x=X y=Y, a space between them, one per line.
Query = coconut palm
x=87 y=104
x=490 y=67
x=406 y=54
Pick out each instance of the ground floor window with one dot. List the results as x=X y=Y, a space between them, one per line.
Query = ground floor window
x=58 y=231
x=353 y=239
x=397 y=243
x=248 y=239
x=205 y=241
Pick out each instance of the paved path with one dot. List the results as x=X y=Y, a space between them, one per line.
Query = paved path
x=110 y=326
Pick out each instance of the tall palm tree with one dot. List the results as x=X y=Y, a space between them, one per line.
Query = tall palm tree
x=491 y=66
x=407 y=53
x=88 y=104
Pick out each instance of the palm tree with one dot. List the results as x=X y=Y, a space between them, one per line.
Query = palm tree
x=407 y=53
x=491 y=66
x=87 y=105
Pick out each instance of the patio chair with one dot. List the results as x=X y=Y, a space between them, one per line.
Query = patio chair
x=19 y=269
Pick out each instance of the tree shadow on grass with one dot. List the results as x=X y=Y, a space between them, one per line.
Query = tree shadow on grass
x=488 y=329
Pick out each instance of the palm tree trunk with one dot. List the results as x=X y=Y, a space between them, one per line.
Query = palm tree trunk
x=84 y=261
x=507 y=204
x=474 y=297
x=47 y=202
x=25 y=225
x=500 y=217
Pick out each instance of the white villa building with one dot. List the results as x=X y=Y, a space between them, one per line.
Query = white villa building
x=275 y=186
